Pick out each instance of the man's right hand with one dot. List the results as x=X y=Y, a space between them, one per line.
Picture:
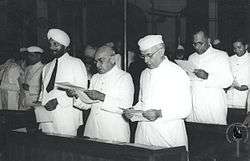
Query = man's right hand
x=71 y=93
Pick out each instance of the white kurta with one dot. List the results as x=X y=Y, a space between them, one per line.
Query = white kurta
x=240 y=69
x=105 y=120
x=66 y=118
x=10 y=86
x=166 y=88
x=32 y=77
x=209 y=97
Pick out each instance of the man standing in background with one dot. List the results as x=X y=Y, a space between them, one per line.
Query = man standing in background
x=31 y=81
x=212 y=74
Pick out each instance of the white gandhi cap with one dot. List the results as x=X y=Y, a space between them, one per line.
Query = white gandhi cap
x=149 y=41
x=59 y=36
x=33 y=49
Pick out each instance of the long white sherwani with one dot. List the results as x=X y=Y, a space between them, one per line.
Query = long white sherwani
x=240 y=68
x=209 y=97
x=65 y=118
x=10 y=88
x=166 y=88
x=32 y=77
x=105 y=120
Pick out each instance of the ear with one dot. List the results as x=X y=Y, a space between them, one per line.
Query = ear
x=246 y=46
x=114 y=58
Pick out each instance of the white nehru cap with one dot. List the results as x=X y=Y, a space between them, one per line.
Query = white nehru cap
x=149 y=41
x=33 y=49
x=59 y=36
x=180 y=47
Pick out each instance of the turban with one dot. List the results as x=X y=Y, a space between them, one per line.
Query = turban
x=149 y=41
x=59 y=36
x=33 y=49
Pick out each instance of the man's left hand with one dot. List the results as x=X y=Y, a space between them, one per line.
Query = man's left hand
x=152 y=114
x=200 y=73
x=51 y=104
x=95 y=95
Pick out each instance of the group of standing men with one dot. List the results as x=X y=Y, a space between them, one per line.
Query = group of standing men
x=167 y=94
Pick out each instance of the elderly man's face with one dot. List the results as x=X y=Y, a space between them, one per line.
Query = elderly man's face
x=239 y=48
x=57 y=49
x=104 y=59
x=200 y=43
x=153 y=56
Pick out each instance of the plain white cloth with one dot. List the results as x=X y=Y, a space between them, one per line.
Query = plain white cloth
x=209 y=97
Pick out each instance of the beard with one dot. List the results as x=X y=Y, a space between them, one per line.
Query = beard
x=58 y=53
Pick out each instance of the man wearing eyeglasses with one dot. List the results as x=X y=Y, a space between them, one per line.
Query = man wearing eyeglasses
x=112 y=90
x=164 y=99
x=212 y=74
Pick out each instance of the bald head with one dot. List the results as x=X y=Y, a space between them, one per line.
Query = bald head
x=105 y=50
x=104 y=58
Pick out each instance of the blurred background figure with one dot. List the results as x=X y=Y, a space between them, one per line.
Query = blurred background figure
x=31 y=79
x=10 y=82
x=217 y=44
x=180 y=53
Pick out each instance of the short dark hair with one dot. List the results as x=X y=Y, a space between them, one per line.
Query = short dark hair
x=240 y=39
x=201 y=29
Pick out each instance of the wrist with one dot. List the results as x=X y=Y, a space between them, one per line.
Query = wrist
x=159 y=114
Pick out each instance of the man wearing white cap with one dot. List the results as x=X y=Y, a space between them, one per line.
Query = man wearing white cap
x=164 y=98
x=64 y=68
x=31 y=79
x=212 y=74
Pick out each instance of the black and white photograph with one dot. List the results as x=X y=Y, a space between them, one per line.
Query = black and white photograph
x=124 y=80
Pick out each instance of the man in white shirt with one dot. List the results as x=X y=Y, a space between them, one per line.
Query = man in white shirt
x=164 y=99
x=31 y=81
x=212 y=74
x=240 y=62
x=114 y=90
x=65 y=119
x=10 y=84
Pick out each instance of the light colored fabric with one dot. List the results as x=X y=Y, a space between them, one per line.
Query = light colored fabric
x=241 y=74
x=209 y=97
x=33 y=49
x=32 y=77
x=166 y=88
x=105 y=120
x=149 y=41
x=66 y=118
x=10 y=86
x=59 y=36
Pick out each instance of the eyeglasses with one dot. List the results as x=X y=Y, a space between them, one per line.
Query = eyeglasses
x=149 y=55
x=195 y=44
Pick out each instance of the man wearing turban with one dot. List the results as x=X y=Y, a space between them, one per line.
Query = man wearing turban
x=65 y=119
x=164 y=98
